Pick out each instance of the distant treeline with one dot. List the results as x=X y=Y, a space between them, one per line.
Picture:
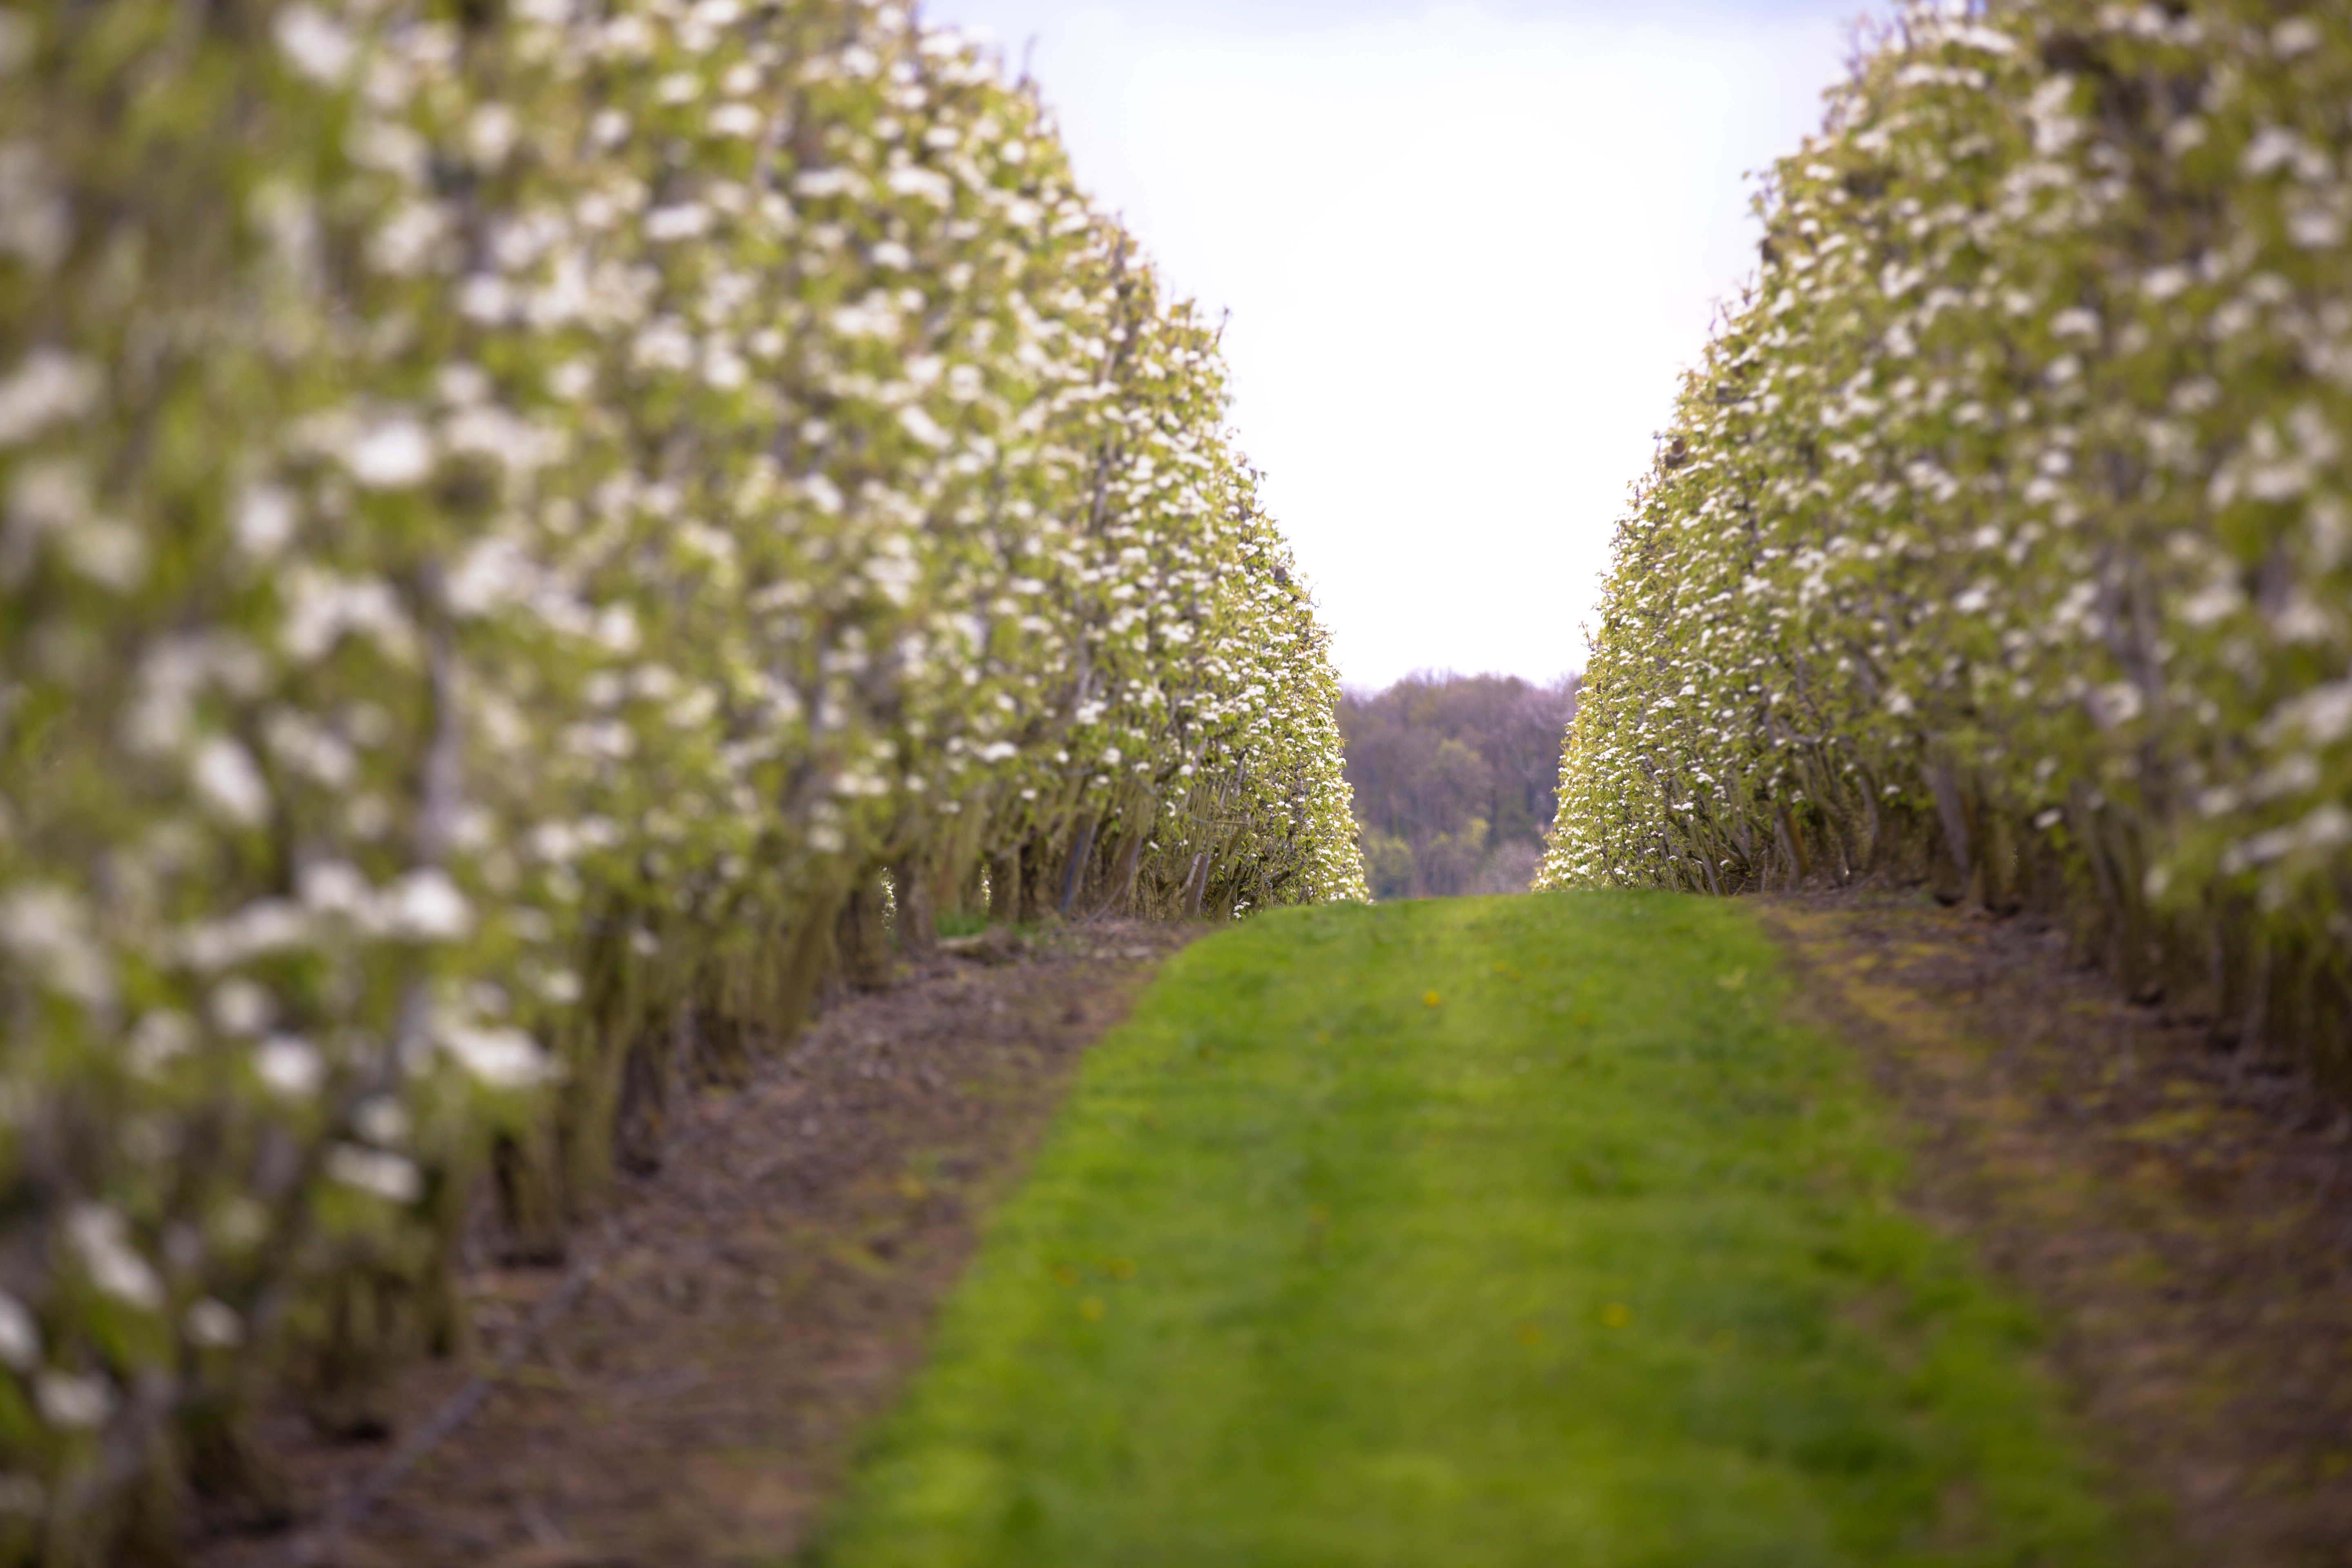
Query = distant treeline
x=1453 y=777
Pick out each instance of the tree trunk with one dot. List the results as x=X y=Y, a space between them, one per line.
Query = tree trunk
x=918 y=929
x=344 y=1367
x=860 y=942
x=1036 y=885
x=1074 y=871
x=1005 y=888
x=1122 y=890
x=793 y=993
x=713 y=1043
x=962 y=889
x=648 y=1092
x=227 y=1466
x=525 y=1172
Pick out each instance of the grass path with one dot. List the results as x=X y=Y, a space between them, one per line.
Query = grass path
x=1478 y=1233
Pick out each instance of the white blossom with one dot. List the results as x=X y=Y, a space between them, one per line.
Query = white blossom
x=424 y=905
x=2323 y=715
x=228 y=781
x=160 y=1037
x=213 y=1324
x=263 y=927
x=101 y=1239
x=73 y=1401
x=36 y=218
x=687 y=220
x=383 y=1121
x=263 y=521
x=407 y=242
x=290 y=1065
x=322 y=608
x=314 y=43
x=20 y=1337
x=47 y=387
x=736 y=119
x=395 y=454
x=48 y=929
x=392 y=1178
x=499 y=1057
x=241 y=1006
x=2294 y=35
x=491 y=133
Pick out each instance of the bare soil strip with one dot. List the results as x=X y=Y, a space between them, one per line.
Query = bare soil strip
x=753 y=1303
x=2185 y=1211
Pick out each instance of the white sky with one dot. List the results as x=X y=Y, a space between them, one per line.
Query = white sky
x=1467 y=247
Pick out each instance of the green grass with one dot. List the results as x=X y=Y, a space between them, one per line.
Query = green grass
x=962 y=922
x=1595 y=1261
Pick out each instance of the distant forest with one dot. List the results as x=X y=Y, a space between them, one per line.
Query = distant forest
x=1453 y=777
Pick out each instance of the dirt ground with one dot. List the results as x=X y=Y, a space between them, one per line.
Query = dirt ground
x=2183 y=1213
x=716 y=1348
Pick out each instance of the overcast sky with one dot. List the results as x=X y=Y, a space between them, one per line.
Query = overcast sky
x=1467 y=247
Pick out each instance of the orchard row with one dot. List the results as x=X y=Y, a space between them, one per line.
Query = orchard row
x=2003 y=533
x=516 y=517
